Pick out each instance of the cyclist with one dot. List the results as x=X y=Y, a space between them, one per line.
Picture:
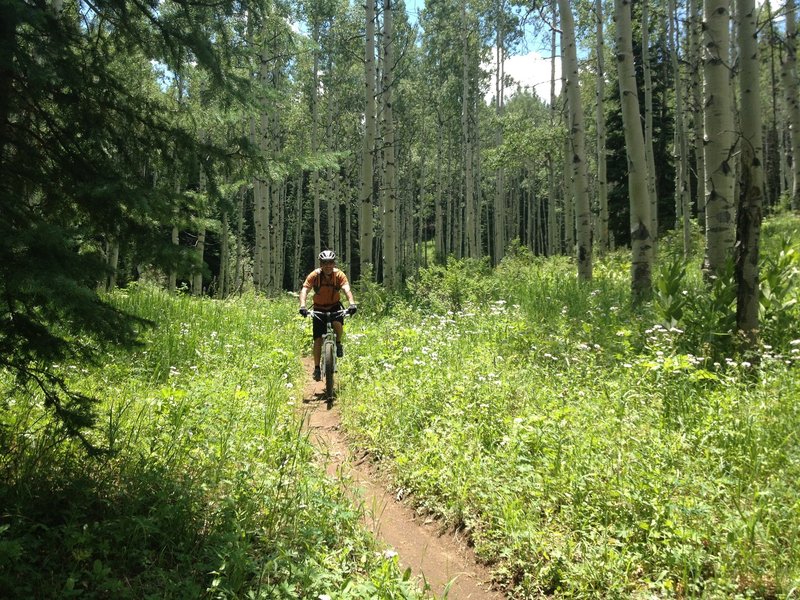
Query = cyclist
x=326 y=281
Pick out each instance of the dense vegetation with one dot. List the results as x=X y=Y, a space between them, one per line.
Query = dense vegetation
x=206 y=488
x=589 y=450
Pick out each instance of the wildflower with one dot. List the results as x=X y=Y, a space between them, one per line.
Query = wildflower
x=388 y=554
x=794 y=343
x=289 y=385
x=627 y=365
x=518 y=420
x=746 y=364
x=323 y=597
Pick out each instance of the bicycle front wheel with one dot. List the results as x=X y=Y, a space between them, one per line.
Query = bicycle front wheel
x=330 y=357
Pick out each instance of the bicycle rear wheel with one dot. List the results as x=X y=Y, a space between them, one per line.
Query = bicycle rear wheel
x=329 y=369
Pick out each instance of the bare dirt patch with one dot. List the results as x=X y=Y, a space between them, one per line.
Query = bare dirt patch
x=433 y=557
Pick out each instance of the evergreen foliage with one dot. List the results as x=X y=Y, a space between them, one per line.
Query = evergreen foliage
x=83 y=129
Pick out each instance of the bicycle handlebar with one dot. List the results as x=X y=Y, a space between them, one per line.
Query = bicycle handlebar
x=323 y=315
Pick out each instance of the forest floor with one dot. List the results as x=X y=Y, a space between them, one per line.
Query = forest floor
x=434 y=556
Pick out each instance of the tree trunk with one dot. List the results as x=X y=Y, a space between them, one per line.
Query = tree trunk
x=390 y=172
x=223 y=282
x=695 y=62
x=641 y=239
x=367 y=157
x=602 y=177
x=648 y=123
x=748 y=218
x=499 y=191
x=578 y=138
x=789 y=76
x=466 y=134
x=718 y=136
x=682 y=192
x=238 y=281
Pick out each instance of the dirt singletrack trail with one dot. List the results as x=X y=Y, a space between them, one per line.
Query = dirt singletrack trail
x=437 y=557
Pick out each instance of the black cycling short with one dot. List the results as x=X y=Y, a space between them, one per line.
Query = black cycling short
x=321 y=326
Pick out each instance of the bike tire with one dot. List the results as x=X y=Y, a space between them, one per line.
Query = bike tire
x=329 y=370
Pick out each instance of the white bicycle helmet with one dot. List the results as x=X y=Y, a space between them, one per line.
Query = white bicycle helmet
x=327 y=255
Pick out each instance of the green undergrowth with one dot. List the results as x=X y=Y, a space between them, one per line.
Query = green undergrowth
x=206 y=487
x=590 y=450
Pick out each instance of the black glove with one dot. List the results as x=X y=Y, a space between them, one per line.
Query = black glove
x=303 y=311
x=351 y=310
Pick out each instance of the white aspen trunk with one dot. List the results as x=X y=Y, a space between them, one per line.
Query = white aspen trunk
x=449 y=237
x=466 y=134
x=224 y=256
x=348 y=227
x=475 y=128
x=440 y=251
x=718 y=135
x=297 y=275
x=390 y=178
x=789 y=76
x=577 y=137
x=553 y=241
x=331 y=175
x=238 y=282
x=695 y=61
x=641 y=240
x=315 y=185
x=567 y=193
x=602 y=176
x=276 y=236
x=648 y=123
x=367 y=163
x=499 y=198
x=748 y=219
x=682 y=192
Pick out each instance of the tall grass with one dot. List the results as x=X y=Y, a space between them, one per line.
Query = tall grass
x=588 y=448
x=208 y=487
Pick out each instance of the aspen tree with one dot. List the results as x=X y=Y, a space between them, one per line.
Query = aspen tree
x=499 y=193
x=578 y=145
x=367 y=157
x=648 y=122
x=466 y=136
x=696 y=85
x=748 y=218
x=641 y=239
x=718 y=120
x=682 y=193
x=602 y=177
x=789 y=76
x=390 y=172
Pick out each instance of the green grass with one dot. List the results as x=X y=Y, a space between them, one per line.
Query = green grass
x=208 y=488
x=590 y=451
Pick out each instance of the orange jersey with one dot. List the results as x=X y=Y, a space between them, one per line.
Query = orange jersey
x=326 y=289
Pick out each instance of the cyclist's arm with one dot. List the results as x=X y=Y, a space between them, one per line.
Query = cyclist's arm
x=303 y=294
x=346 y=289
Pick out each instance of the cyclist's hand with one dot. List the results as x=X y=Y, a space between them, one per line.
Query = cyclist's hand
x=303 y=311
x=351 y=310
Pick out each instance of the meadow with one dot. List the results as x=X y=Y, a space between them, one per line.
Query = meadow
x=592 y=450
x=204 y=485
x=589 y=448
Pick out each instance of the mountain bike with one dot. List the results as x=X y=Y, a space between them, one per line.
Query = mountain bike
x=328 y=359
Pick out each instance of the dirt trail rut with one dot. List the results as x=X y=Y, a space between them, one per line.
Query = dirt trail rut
x=438 y=558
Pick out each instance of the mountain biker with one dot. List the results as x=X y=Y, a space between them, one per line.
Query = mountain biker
x=326 y=281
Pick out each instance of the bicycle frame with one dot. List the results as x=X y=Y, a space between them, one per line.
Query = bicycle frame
x=328 y=358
